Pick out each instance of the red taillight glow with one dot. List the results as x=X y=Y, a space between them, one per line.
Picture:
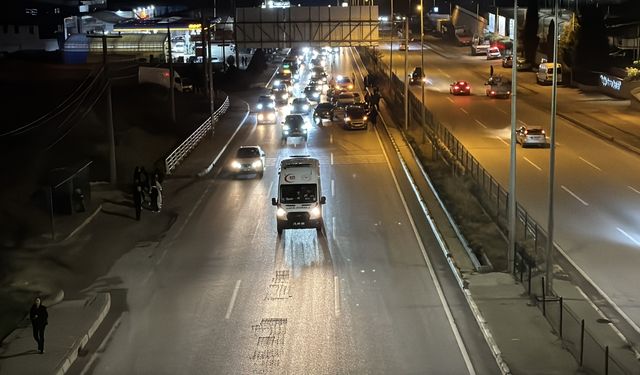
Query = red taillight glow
x=493 y=92
x=468 y=87
x=456 y=88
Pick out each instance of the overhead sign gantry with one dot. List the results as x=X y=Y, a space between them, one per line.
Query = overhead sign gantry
x=306 y=26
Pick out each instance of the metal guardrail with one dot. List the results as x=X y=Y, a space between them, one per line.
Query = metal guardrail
x=177 y=156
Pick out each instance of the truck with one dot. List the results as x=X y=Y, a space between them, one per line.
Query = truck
x=160 y=76
x=479 y=45
x=463 y=36
x=498 y=87
x=300 y=200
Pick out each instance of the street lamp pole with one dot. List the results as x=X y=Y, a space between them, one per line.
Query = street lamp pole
x=393 y=31
x=422 y=79
x=512 y=146
x=406 y=76
x=172 y=96
x=552 y=154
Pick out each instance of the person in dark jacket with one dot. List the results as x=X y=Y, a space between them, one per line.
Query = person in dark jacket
x=137 y=200
x=39 y=320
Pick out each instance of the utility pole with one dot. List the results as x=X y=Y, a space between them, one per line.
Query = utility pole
x=393 y=31
x=512 y=145
x=212 y=91
x=406 y=75
x=113 y=175
x=172 y=97
x=424 y=77
x=552 y=154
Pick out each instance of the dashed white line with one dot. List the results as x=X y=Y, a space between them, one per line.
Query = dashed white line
x=464 y=110
x=449 y=99
x=481 y=124
x=532 y=163
x=574 y=195
x=502 y=110
x=590 y=164
x=332 y=158
x=336 y=295
x=503 y=141
x=628 y=236
x=445 y=74
x=331 y=138
x=233 y=299
x=633 y=189
x=333 y=187
x=522 y=122
x=333 y=227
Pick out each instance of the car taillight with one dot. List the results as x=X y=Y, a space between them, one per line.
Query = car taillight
x=456 y=87
x=468 y=87
x=493 y=92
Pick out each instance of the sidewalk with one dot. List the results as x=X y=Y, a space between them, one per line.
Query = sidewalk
x=73 y=322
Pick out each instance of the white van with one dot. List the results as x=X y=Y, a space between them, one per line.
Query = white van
x=545 y=73
x=300 y=200
x=160 y=76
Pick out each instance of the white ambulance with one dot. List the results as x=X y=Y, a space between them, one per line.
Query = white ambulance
x=299 y=202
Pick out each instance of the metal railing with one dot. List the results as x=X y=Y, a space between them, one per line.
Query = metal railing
x=184 y=149
x=529 y=262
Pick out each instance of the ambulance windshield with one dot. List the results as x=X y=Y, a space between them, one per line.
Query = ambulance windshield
x=303 y=193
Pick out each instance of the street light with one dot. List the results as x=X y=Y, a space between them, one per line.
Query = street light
x=424 y=76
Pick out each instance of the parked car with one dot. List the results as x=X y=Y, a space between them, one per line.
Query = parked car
x=531 y=136
x=507 y=62
x=545 y=73
x=493 y=53
x=403 y=46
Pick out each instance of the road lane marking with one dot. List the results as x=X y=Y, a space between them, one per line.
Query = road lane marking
x=481 y=124
x=502 y=110
x=436 y=283
x=333 y=187
x=532 y=163
x=445 y=74
x=628 y=236
x=634 y=190
x=270 y=189
x=503 y=141
x=332 y=158
x=574 y=195
x=336 y=295
x=590 y=164
x=333 y=227
x=522 y=122
x=449 y=99
x=330 y=137
x=233 y=299
x=464 y=110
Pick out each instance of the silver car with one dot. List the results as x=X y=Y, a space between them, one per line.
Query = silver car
x=249 y=160
x=531 y=136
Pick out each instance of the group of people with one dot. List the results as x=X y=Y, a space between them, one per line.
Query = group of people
x=147 y=190
x=372 y=100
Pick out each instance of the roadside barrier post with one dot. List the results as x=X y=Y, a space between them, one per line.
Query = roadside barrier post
x=581 y=342
x=561 y=307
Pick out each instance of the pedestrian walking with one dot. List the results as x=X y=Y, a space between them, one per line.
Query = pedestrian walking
x=39 y=320
x=144 y=180
x=137 y=200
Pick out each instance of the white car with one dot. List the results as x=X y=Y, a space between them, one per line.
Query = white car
x=531 y=136
x=249 y=160
x=493 y=53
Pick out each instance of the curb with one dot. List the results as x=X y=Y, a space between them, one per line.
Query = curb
x=72 y=354
x=601 y=134
x=208 y=169
x=84 y=223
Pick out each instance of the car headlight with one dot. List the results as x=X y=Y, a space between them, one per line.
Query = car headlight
x=316 y=95
x=276 y=82
x=315 y=213
x=271 y=105
x=285 y=96
x=235 y=165
x=347 y=118
x=271 y=116
x=273 y=97
x=260 y=117
x=280 y=212
x=365 y=118
x=313 y=74
x=257 y=164
x=259 y=105
x=350 y=87
x=305 y=107
x=285 y=127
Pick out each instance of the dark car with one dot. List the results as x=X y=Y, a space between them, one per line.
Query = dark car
x=417 y=76
x=355 y=117
x=294 y=126
x=280 y=95
x=460 y=88
x=313 y=92
x=323 y=111
x=318 y=74
x=300 y=106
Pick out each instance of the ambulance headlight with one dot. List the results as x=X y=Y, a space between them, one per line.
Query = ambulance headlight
x=235 y=165
x=260 y=117
x=315 y=213
x=280 y=212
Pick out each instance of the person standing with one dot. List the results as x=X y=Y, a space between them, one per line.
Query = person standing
x=137 y=200
x=39 y=320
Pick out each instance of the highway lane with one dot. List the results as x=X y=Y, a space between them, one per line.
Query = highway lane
x=229 y=296
x=596 y=190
